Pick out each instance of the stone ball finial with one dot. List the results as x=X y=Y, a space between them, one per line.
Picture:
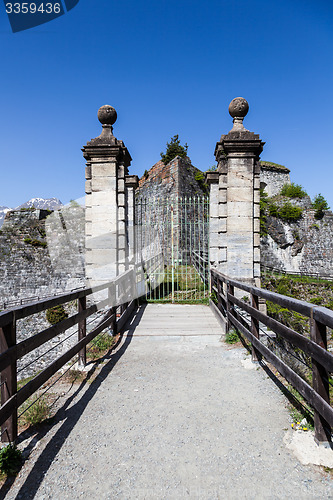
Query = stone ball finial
x=107 y=115
x=239 y=107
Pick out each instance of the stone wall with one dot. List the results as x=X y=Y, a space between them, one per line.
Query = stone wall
x=303 y=246
x=273 y=177
x=177 y=178
x=41 y=254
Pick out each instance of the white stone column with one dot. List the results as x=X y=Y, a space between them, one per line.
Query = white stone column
x=235 y=228
x=107 y=164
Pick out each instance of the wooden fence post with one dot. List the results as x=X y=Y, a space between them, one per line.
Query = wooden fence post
x=219 y=298
x=112 y=300
x=82 y=333
x=8 y=382
x=255 y=327
x=320 y=382
x=231 y=291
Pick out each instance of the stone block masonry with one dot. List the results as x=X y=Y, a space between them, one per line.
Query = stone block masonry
x=38 y=256
x=273 y=177
x=41 y=254
x=109 y=204
x=302 y=246
x=234 y=200
x=178 y=178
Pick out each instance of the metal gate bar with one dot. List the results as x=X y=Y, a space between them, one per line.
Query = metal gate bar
x=172 y=244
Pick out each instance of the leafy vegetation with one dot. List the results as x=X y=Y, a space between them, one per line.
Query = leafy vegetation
x=293 y=191
x=100 y=345
x=286 y=212
x=56 y=314
x=319 y=204
x=35 y=243
x=289 y=212
x=10 y=459
x=174 y=148
x=231 y=337
x=200 y=178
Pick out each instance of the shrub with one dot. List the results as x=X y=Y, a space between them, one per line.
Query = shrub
x=289 y=212
x=320 y=204
x=231 y=337
x=293 y=191
x=56 y=314
x=174 y=148
x=10 y=459
x=145 y=174
x=273 y=210
x=200 y=178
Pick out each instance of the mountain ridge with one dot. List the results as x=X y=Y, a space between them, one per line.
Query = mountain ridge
x=39 y=203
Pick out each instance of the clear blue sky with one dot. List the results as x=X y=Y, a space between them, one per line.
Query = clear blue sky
x=167 y=67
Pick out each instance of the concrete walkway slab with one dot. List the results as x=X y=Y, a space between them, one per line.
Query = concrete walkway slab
x=172 y=419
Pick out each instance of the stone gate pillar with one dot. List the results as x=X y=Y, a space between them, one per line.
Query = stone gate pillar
x=234 y=200
x=106 y=214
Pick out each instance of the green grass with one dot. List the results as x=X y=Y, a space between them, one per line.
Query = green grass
x=188 y=287
x=100 y=346
x=37 y=410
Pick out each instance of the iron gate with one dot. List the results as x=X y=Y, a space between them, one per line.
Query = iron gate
x=172 y=246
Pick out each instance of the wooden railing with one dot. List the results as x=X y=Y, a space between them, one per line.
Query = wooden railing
x=9 y=304
x=302 y=274
x=120 y=299
x=315 y=347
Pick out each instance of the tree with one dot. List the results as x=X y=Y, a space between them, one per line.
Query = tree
x=320 y=204
x=174 y=148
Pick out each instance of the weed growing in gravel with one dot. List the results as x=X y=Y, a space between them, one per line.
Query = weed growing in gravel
x=100 y=345
x=37 y=412
x=10 y=460
x=73 y=376
x=231 y=337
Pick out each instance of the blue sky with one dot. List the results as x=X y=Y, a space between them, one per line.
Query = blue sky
x=168 y=68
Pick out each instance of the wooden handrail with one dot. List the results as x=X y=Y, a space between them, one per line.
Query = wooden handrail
x=120 y=293
x=315 y=347
x=23 y=311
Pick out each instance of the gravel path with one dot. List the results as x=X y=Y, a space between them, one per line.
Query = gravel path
x=171 y=418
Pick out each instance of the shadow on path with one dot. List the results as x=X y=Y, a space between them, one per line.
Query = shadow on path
x=69 y=418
